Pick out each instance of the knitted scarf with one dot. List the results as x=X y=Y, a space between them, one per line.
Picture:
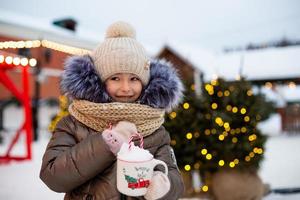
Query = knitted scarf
x=98 y=116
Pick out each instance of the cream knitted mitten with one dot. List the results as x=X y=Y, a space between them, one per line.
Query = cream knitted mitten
x=159 y=186
x=119 y=134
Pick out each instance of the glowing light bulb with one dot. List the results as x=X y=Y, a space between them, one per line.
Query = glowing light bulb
x=221 y=163
x=204 y=151
x=189 y=136
x=32 y=62
x=9 y=60
x=208 y=156
x=204 y=188
x=214 y=106
x=187 y=167
x=186 y=106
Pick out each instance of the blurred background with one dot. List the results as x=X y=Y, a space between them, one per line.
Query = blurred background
x=239 y=60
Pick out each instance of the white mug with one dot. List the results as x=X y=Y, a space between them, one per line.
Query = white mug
x=134 y=173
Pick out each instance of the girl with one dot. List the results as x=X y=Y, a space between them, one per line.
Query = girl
x=115 y=85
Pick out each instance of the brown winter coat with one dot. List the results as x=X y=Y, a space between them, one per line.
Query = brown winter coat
x=79 y=163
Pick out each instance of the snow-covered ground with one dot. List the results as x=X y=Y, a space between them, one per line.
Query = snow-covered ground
x=20 y=180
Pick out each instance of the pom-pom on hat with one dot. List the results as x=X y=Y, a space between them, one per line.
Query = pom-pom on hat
x=121 y=53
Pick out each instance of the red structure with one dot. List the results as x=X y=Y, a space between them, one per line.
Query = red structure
x=8 y=63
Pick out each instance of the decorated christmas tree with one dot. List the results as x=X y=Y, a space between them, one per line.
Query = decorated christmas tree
x=63 y=111
x=218 y=129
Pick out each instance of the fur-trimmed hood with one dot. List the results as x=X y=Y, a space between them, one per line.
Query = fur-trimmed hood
x=81 y=81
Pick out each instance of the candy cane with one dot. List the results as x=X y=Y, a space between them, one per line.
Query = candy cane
x=134 y=136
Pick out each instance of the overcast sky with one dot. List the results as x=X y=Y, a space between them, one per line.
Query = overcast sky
x=212 y=24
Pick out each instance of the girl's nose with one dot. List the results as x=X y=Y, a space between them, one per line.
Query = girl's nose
x=125 y=86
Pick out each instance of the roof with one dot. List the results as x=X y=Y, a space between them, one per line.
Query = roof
x=272 y=63
x=12 y=24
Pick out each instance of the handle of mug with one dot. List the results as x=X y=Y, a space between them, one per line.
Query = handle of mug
x=159 y=162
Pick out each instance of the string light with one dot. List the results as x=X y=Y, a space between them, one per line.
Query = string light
x=193 y=87
x=214 y=106
x=232 y=131
x=243 y=111
x=8 y=60
x=207 y=132
x=252 y=137
x=225 y=133
x=292 y=85
x=218 y=120
x=221 y=137
x=221 y=163
x=16 y=61
x=1 y=59
x=189 y=136
x=214 y=82
x=204 y=188
x=247 y=158
x=226 y=93
x=260 y=151
x=32 y=62
x=208 y=156
x=234 y=140
x=243 y=129
x=220 y=94
x=215 y=76
x=173 y=142
x=232 y=164
x=20 y=44
x=249 y=93
x=236 y=161
x=226 y=125
x=197 y=165
x=228 y=107
x=187 y=167
x=209 y=88
x=213 y=131
x=268 y=85
x=44 y=43
x=24 y=62
x=234 y=109
x=186 y=106
x=173 y=115
x=196 y=134
x=204 y=151
x=246 y=118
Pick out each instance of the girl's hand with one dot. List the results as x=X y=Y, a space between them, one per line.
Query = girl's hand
x=119 y=134
x=159 y=186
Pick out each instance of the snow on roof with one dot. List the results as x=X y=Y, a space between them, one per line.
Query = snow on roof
x=25 y=27
x=282 y=94
x=261 y=64
x=200 y=58
x=269 y=63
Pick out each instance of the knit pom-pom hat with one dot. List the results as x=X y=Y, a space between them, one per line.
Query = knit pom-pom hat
x=121 y=53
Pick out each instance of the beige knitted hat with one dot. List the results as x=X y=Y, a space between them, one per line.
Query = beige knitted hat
x=121 y=53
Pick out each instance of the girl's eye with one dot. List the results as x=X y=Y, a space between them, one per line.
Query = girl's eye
x=135 y=79
x=114 y=78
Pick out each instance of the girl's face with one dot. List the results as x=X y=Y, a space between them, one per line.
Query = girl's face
x=124 y=87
